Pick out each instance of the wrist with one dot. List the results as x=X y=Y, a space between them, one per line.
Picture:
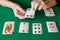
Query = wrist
x=50 y=3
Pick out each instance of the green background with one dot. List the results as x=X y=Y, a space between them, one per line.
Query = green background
x=6 y=14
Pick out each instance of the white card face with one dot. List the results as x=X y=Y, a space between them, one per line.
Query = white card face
x=24 y=27
x=30 y=13
x=37 y=28
x=49 y=12
x=8 y=27
x=52 y=27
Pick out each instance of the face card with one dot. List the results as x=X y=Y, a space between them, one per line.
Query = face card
x=24 y=27
x=49 y=12
x=30 y=13
x=8 y=27
x=52 y=27
x=37 y=28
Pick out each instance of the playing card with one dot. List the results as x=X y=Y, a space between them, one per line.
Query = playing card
x=24 y=27
x=8 y=27
x=37 y=28
x=19 y=14
x=52 y=27
x=49 y=12
x=30 y=13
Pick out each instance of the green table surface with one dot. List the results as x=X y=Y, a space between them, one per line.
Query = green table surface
x=6 y=14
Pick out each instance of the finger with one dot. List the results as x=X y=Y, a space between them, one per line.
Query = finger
x=32 y=5
x=36 y=6
x=40 y=7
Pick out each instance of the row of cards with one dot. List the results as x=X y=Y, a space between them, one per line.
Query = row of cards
x=24 y=27
x=31 y=13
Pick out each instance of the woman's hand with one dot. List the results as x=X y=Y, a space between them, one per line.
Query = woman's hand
x=35 y=4
x=16 y=8
x=49 y=3
x=42 y=5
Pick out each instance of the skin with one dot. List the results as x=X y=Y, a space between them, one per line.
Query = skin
x=49 y=3
x=45 y=5
x=15 y=7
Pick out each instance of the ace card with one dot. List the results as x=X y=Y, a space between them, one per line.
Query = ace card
x=8 y=27
x=24 y=27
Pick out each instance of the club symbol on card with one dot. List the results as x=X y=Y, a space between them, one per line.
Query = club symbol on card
x=38 y=31
x=35 y=31
x=35 y=24
x=38 y=27
x=35 y=28
x=38 y=24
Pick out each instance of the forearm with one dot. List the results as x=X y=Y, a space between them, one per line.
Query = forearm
x=11 y=5
x=8 y=4
x=50 y=3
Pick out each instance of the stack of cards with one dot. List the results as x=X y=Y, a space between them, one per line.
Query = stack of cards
x=52 y=27
x=37 y=28
x=30 y=13
x=49 y=12
x=24 y=27
x=8 y=27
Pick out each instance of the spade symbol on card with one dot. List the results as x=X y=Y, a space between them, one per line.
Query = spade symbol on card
x=37 y=28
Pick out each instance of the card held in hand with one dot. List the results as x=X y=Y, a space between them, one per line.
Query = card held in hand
x=30 y=13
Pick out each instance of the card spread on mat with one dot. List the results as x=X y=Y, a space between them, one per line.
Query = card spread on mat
x=8 y=27
x=37 y=28
x=52 y=27
x=24 y=27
